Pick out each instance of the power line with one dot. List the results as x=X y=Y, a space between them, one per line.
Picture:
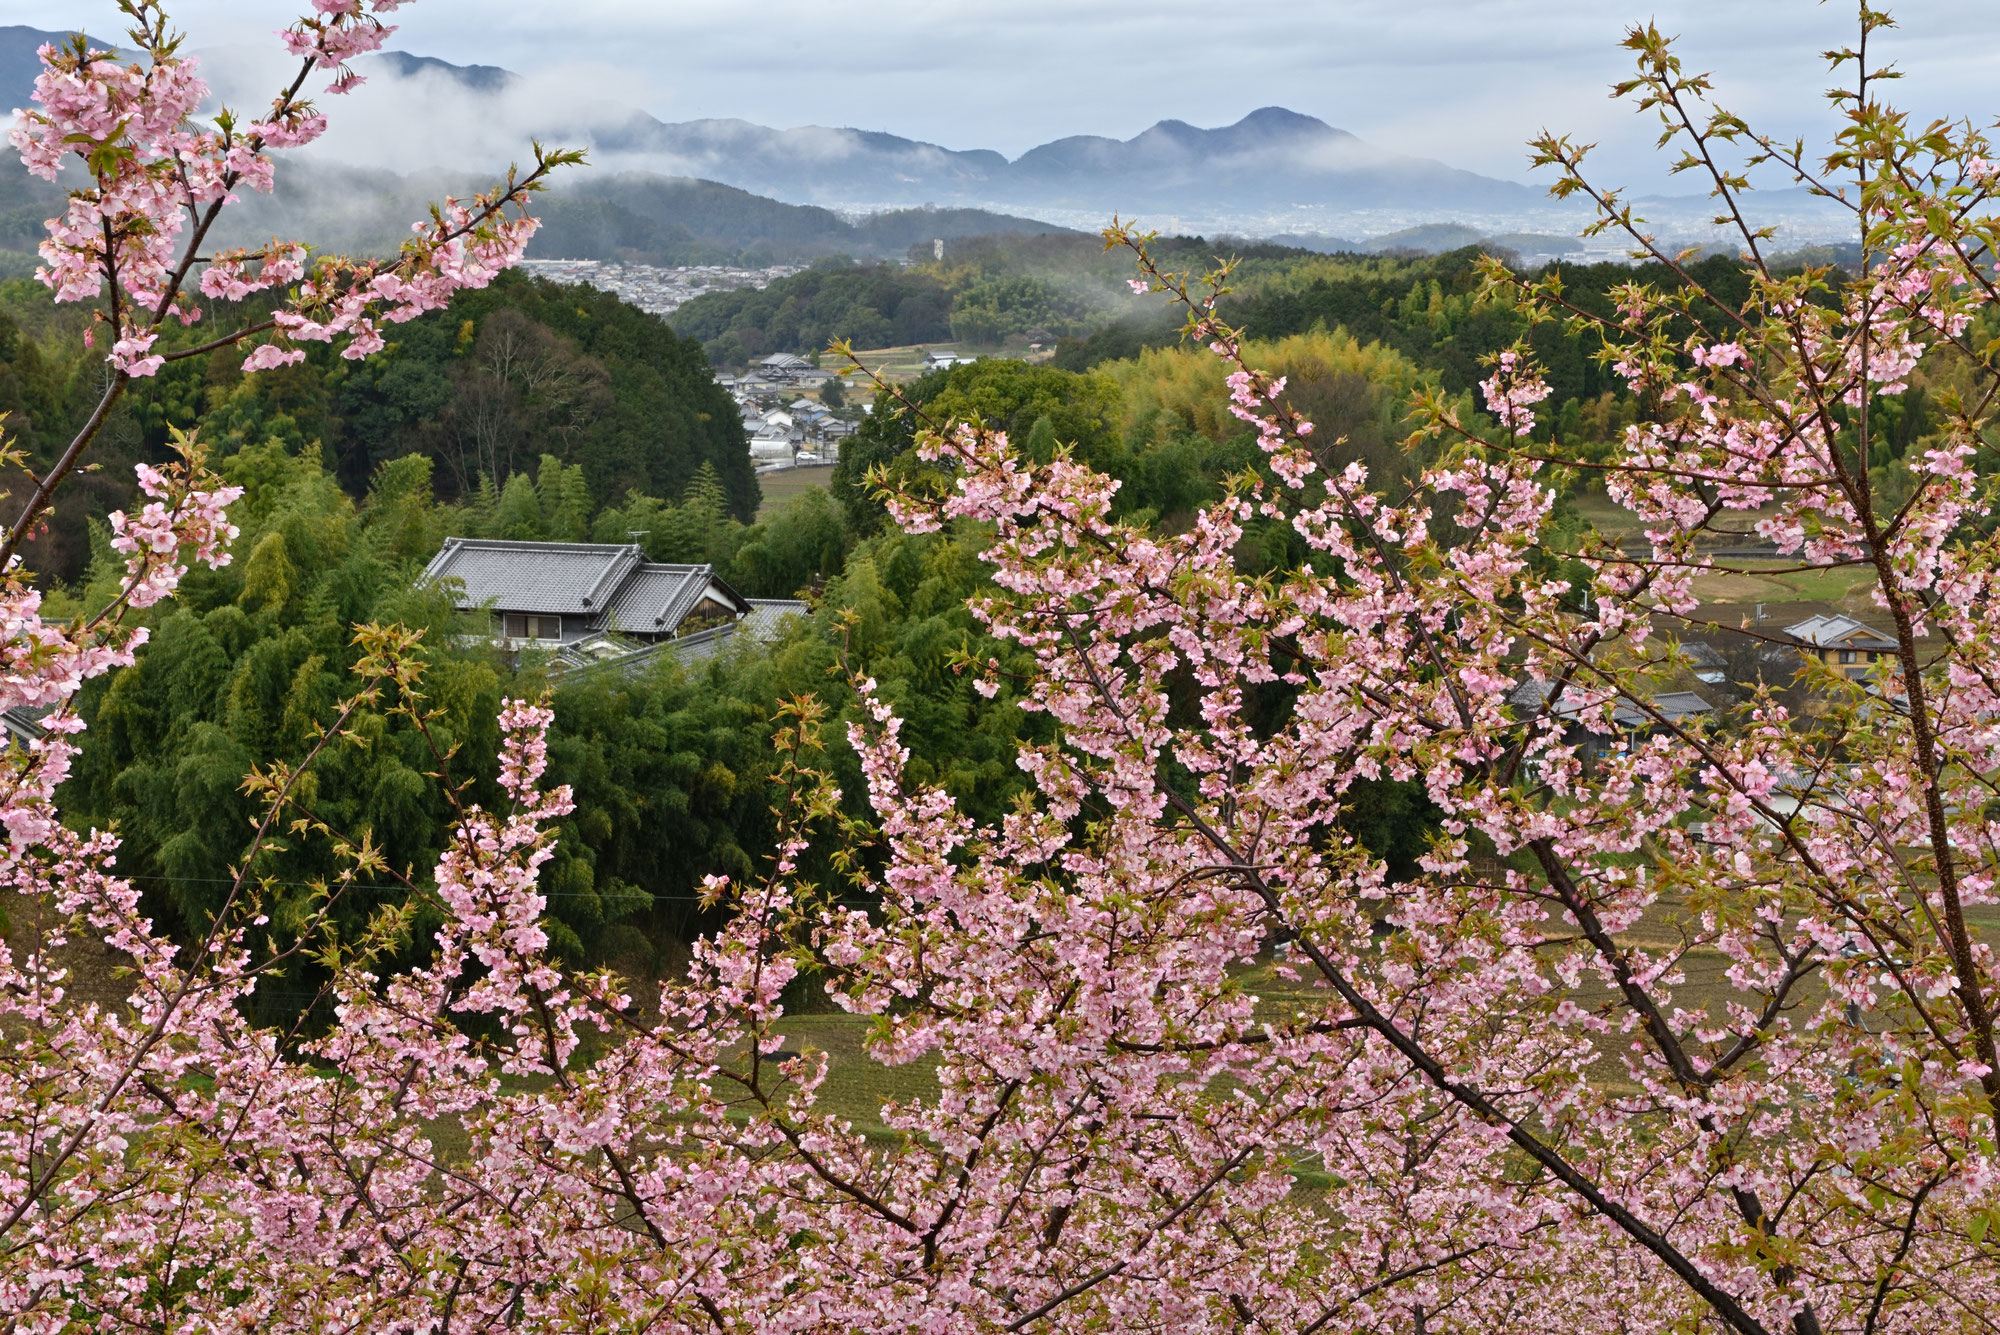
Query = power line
x=394 y=888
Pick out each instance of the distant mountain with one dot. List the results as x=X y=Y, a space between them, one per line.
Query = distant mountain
x=810 y=165
x=25 y=201
x=475 y=78
x=1272 y=172
x=1436 y=239
x=1271 y=159
x=1171 y=145
x=645 y=217
x=20 y=65
x=1268 y=163
x=632 y=216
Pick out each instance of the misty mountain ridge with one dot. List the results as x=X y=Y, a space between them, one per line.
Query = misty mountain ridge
x=1274 y=172
x=474 y=78
x=1272 y=159
x=1270 y=162
x=633 y=216
x=1275 y=154
x=20 y=61
x=636 y=216
x=649 y=218
x=1170 y=142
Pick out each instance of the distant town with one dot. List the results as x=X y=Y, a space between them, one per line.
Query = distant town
x=779 y=397
x=787 y=428
x=653 y=288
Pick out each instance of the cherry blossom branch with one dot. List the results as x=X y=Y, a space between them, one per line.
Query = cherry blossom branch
x=131 y=128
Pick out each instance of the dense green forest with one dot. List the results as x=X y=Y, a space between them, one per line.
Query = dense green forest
x=984 y=292
x=639 y=217
x=652 y=219
x=872 y=306
x=668 y=768
x=1068 y=292
x=671 y=769
x=535 y=411
x=522 y=369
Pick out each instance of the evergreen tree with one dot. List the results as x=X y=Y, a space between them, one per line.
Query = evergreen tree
x=565 y=498
x=519 y=515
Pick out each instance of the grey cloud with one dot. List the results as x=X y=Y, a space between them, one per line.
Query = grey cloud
x=1461 y=81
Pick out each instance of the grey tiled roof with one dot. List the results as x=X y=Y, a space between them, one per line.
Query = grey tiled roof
x=1703 y=655
x=593 y=650
x=1676 y=705
x=688 y=650
x=611 y=586
x=699 y=647
x=566 y=578
x=23 y=723
x=767 y=616
x=655 y=597
x=1531 y=696
x=1838 y=632
x=763 y=625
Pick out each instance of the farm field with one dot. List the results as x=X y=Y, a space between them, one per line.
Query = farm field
x=785 y=484
x=856 y=1086
x=901 y=364
x=1615 y=522
x=1752 y=580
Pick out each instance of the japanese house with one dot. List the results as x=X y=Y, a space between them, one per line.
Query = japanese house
x=592 y=603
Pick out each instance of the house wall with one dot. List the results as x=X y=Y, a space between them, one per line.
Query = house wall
x=509 y=626
x=1859 y=663
x=531 y=626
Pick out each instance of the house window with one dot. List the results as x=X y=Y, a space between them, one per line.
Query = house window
x=525 y=627
x=1847 y=655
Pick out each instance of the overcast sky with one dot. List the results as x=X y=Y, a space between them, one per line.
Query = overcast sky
x=1462 y=80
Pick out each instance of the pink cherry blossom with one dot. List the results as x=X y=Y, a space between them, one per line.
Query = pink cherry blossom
x=154 y=171
x=1675 y=1024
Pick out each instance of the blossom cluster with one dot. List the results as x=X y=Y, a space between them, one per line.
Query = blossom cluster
x=453 y=252
x=1511 y=393
x=130 y=126
x=158 y=177
x=182 y=515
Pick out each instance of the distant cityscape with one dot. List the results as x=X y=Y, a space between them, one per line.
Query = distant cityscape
x=653 y=288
